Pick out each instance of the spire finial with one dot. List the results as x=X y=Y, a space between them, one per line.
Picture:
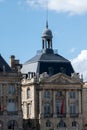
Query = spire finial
x=47 y=16
x=46 y=24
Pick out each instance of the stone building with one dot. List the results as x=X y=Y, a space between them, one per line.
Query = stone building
x=10 y=95
x=53 y=94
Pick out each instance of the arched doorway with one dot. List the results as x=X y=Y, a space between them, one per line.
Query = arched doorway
x=75 y=125
x=12 y=125
x=61 y=125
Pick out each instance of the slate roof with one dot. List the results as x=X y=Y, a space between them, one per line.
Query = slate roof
x=41 y=63
x=3 y=63
x=48 y=61
x=49 y=57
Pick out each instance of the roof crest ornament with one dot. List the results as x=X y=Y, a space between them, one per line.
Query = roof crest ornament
x=47 y=16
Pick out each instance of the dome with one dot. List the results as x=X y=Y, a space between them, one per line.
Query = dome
x=47 y=33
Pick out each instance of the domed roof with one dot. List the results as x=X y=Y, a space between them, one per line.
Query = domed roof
x=47 y=32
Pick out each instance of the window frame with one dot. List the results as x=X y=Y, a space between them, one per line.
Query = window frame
x=28 y=93
x=72 y=108
x=47 y=94
x=11 y=89
x=72 y=95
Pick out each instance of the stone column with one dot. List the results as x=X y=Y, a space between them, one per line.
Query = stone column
x=54 y=104
x=25 y=109
x=41 y=112
x=79 y=101
x=67 y=103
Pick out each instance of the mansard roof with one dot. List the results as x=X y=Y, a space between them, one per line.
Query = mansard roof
x=44 y=61
x=49 y=57
x=48 y=61
x=4 y=65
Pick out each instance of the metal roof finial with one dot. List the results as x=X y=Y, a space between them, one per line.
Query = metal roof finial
x=47 y=16
x=46 y=24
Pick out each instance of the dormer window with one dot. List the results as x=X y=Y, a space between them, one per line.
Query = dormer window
x=62 y=69
x=51 y=71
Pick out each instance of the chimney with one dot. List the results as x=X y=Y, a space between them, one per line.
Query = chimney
x=12 y=61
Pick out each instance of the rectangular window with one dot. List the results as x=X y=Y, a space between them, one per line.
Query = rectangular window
x=72 y=108
x=11 y=105
x=28 y=93
x=47 y=94
x=47 y=110
x=28 y=109
x=72 y=94
x=11 y=89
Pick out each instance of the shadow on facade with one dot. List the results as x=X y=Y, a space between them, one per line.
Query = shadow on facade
x=31 y=124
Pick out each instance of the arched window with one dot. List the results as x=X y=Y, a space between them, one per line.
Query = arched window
x=74 y=123
x=48 y=124
x=28 y=93
x=61 y=124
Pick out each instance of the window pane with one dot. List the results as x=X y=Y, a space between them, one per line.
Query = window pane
x=11 y=89
x=74 y=124
x=47 y=94
x=72 y=108
x=29 y=109
x=28 y=93
x=11 y=106
x=47 y=108
x=61 y=124
x=72 y=94
x=48 y=124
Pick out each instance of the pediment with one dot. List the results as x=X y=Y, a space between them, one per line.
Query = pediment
x=61 y=79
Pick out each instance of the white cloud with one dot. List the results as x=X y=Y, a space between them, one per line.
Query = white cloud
x=80 y=64
x=73 y=50
x=70 y=6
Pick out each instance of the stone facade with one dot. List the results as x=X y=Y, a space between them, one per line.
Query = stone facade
x=54 y=97
x=84 y=104
x=10 y=97
x=54 y=103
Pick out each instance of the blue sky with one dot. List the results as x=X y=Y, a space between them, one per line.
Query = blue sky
x=22 y=23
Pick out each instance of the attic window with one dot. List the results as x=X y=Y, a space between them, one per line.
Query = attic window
x=51 y=71
x=62 y=70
